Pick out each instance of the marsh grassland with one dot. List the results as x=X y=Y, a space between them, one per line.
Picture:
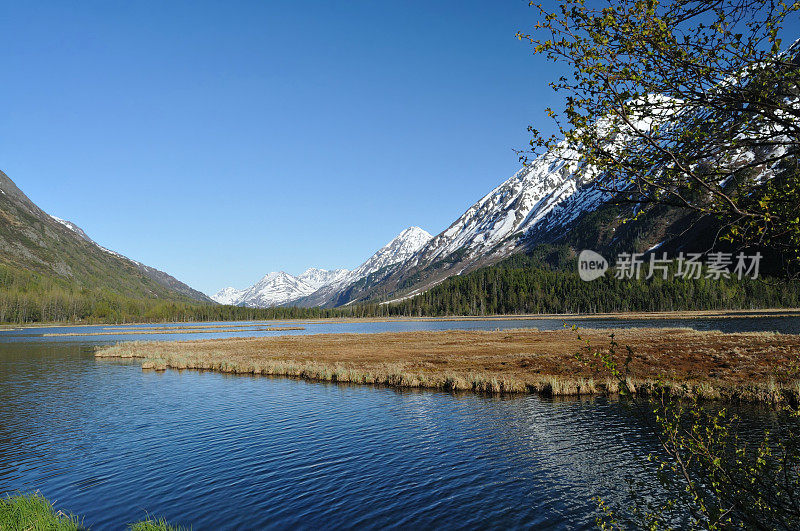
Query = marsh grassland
x=747 y=366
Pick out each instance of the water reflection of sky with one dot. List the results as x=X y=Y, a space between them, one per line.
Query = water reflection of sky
x=787 y=325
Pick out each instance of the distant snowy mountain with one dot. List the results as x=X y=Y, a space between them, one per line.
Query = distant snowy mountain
x=229 y=296
x=552 y=191
x=316 y=278
x=397 y=251
x=274 y=289
x=549 y=193
x=279 y=287
x=318 y=286
x=380 y=264
x=541 y=201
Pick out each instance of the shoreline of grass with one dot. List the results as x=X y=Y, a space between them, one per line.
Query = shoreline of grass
x=34 y=511
x=682 y=362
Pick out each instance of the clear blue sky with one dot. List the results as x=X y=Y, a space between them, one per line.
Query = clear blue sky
x=222 y=140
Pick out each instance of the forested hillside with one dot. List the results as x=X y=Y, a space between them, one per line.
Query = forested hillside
x=546 y=281
x=50 y=270
x=28 y=297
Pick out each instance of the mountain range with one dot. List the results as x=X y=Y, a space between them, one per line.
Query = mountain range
x=553 y=199
x=550 y=194
x=321 y=285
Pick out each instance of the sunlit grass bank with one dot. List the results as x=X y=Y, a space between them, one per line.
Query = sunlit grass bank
x=713 y=365
x=34 y=512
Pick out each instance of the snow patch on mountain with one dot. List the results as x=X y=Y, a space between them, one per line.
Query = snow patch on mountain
x=511 y=208
x=317 y=278
x=400 y=249
x=74 y=228
x=80 y=232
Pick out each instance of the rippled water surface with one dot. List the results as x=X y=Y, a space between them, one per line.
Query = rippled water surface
x=112 y=443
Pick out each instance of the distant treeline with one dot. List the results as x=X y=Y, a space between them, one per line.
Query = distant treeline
x=543 y=282
x=27 y=297
x=547 y=282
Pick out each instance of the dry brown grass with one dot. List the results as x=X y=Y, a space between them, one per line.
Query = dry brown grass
x=686 y=362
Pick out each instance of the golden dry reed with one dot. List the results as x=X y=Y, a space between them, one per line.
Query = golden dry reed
x=683 y=362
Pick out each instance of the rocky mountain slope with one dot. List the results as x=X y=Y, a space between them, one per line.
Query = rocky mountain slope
x=372 y=272
x=30 y=239
x=550 y=192
x=549 y=200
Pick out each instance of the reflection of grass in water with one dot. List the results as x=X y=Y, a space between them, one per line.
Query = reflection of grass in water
x=175 y=331
x=35 y=512
x=683 y=361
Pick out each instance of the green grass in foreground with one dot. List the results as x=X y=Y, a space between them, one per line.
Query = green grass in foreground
x=155 y=525
x=32 y=512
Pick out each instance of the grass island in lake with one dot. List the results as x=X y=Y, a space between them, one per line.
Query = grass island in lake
x=707 y=364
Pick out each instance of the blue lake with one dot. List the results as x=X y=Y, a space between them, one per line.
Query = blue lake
x=106 y=440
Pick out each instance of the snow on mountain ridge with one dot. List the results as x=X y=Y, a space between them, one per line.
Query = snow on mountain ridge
x=74 y=228
x=274 y=289
x=510 y=208
x=517 y=206
x=279 y=287
x=322 y=277
x=400 y=249
x=80 y=232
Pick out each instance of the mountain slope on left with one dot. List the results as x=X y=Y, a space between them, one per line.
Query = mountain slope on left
x=40 y=253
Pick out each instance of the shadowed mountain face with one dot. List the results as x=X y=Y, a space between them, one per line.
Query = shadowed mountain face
x=32 y=240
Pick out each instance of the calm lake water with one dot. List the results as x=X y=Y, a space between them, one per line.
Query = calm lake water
x=108 y=441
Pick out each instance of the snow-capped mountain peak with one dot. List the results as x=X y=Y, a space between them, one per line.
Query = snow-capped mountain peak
x=279 y=287
x=228 y=296
x=400 y=249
